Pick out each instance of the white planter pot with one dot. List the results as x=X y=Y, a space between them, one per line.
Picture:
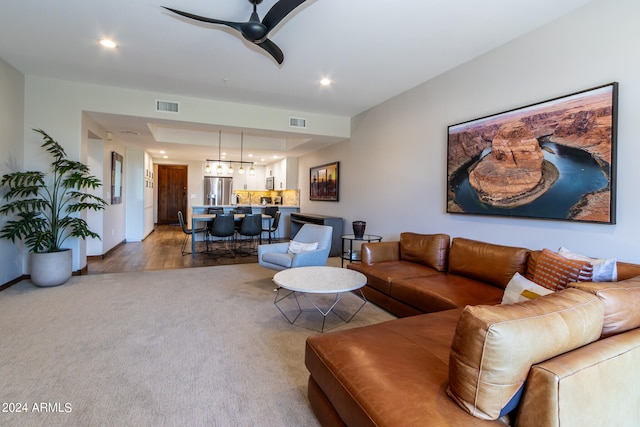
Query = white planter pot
x=51 y=268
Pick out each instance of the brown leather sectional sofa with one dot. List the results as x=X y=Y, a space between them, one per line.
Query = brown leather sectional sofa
x=569 y=358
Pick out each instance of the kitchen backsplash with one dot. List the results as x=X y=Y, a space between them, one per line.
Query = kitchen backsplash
x=287 y=197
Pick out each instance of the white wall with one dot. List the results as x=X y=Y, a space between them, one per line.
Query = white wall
x=12 y=158
x=393 y=170
x=95 y=219
x=110 y=222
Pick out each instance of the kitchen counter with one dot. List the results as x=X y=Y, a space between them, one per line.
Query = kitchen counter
x=284 y=226
x=254 y=206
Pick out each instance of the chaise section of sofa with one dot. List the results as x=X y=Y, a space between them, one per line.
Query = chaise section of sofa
x=458 y=367
x=393 y=373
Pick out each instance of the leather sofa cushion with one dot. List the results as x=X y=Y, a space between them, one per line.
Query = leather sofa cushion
x=627 y=270
x=487 y=262
x=621 y=301
x=444 y=292
x=495 y=346
x=373 y=252
x=381 y=274
x=431 y=250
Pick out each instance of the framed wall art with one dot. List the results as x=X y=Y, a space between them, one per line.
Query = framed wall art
x=552 y=160
x=324 y=182
x=116 y=178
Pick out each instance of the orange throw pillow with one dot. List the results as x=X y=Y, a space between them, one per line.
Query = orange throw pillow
x=555 y=272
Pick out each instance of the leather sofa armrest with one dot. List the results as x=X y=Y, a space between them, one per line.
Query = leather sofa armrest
x=380 y=251
x=593 y=385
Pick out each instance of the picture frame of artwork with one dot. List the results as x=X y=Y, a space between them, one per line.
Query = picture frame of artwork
x=116 y=177
x=554 y=160
x=324 y=182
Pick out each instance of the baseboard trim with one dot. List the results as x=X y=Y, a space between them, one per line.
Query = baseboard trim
x=13 y=282
x=106 y=254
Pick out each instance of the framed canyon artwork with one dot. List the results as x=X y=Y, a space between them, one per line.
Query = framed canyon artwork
x=552 y=160
x=323 y=182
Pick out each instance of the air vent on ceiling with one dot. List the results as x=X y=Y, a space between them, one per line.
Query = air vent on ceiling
x=297 y=122
x=167 y=106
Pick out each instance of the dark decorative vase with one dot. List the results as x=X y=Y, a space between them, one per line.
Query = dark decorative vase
x=358 y=228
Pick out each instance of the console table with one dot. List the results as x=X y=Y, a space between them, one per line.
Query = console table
x=299 y=219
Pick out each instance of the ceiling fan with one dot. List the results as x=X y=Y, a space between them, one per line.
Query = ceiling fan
x=253 y=30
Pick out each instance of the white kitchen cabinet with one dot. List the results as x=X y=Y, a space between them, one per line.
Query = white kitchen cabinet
x=285 y=173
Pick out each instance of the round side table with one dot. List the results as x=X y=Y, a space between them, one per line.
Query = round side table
x=350 y=254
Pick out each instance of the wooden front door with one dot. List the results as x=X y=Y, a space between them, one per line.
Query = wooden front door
x=172 y=193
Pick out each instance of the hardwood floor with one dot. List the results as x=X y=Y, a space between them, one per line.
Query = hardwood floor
x=160 y=250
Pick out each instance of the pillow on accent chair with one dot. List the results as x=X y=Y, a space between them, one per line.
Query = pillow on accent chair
x=604 y=270
x=521 y=289
x=297 y=247
x=555 y=272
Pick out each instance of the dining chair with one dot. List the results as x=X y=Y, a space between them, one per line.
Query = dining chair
x=187 y=233
x=223 y=231
x=213 y=210
x=274 y=226
x=251 y=228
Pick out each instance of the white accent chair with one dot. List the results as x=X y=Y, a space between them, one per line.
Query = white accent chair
x=276 y=256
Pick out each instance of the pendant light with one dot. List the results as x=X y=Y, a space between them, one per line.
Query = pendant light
x=219 y=168
x=241 y=170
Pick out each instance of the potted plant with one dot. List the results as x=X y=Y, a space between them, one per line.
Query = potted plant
x=42 y=208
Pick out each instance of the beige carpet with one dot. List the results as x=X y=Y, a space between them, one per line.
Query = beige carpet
x=190 y=347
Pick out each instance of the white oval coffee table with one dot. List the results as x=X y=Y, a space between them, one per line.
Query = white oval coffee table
x=303 y=281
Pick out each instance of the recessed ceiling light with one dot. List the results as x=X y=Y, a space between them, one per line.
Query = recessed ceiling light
x=108 y=43
x=325 y=82
x=162 y=152
x=165 y=157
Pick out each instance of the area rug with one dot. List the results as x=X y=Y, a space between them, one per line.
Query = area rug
x=197 y=347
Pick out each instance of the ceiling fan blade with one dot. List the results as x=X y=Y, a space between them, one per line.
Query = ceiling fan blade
x=279 y=11
x=235 y=25
x=272 y=49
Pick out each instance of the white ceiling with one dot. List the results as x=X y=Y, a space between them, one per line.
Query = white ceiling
x=371 y=49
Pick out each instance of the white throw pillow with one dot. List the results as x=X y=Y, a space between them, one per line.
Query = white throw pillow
x=297 y=247
x=604 y=270
x=520 y=289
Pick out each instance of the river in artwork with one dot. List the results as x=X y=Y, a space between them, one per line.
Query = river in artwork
x=579 y=174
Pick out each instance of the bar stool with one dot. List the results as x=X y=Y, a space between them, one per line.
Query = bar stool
x=274 y=225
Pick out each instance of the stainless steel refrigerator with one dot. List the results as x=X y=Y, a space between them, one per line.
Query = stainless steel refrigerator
x=217 y=190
